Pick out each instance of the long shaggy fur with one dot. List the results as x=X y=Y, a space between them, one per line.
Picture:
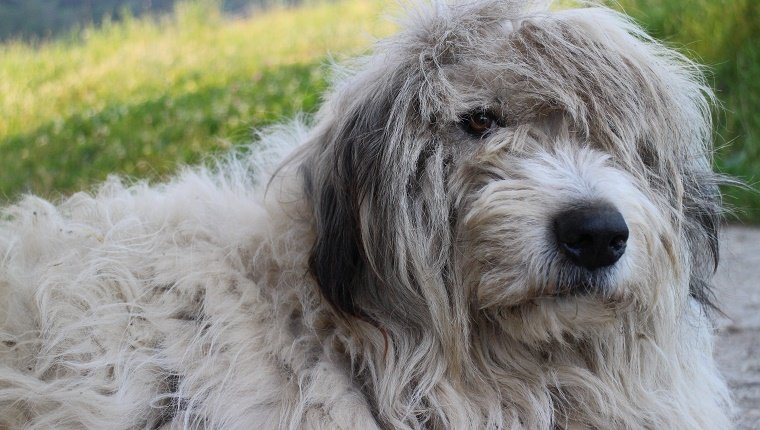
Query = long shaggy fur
x=380 y=267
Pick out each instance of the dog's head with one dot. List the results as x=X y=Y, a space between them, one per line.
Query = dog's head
x=515 y=164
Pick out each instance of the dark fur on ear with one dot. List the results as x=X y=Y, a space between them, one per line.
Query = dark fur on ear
x=365 y=177
x=702 y=210
x=350 y=147
x=336 y=259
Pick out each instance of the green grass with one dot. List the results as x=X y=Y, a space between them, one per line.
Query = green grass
x=140 y=97
x=725 y=36
x=147 y=138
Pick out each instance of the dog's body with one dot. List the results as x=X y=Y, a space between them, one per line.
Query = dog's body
x=415 y=262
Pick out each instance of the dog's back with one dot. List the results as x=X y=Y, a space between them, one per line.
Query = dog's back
x=125 y=309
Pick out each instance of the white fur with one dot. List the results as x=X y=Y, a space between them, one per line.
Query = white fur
x=377 y=267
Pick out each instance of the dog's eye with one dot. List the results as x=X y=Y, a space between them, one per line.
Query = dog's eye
x=479 y=123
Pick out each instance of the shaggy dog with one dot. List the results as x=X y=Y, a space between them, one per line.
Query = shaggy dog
x=503 y=218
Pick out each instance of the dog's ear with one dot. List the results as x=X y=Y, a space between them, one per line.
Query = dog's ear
x=703 y=216
x=336 y=260
x=374 y=178
x=339 y=176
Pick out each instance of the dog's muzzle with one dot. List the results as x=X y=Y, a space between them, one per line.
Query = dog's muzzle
x=591 y=237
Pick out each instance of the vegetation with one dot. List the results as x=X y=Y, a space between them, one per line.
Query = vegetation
x=138 y=96
x=724 y=35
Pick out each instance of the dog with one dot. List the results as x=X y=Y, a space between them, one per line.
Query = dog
x=505 y=217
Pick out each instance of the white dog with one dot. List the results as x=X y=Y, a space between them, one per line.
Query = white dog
x=504 y=218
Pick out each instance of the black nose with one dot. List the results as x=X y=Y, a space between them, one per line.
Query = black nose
x=592 y=236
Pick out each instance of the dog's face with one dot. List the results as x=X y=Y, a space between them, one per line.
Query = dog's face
x=540 y=169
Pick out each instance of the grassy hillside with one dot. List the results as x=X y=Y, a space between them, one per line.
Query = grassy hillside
x=140 y=96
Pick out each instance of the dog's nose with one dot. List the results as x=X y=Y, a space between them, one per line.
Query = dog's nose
x=593 y=236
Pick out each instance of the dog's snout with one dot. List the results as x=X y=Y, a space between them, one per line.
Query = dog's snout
x=592 y=236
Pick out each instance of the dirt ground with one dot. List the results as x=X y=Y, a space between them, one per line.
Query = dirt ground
x=738 y=340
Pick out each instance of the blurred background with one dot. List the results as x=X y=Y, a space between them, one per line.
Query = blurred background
x=138 y=87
